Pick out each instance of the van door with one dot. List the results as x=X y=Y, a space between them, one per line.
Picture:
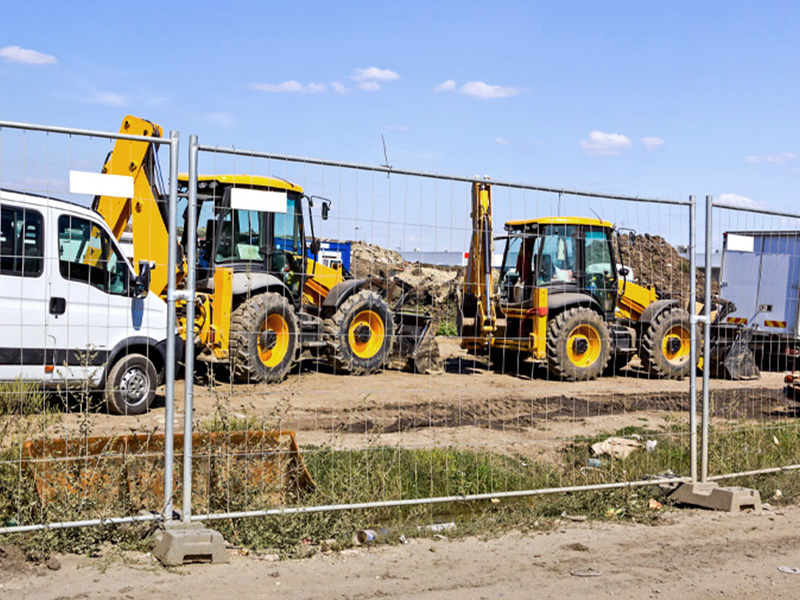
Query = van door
x=23 y=293
x=92 y=280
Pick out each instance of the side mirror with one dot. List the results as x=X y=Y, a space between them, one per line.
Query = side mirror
x=326 y=207
x=315 y=246
x=141 y=284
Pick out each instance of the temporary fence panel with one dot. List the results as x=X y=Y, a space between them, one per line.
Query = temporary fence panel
x=751 y=426
x=461 y=425
x=80 y=330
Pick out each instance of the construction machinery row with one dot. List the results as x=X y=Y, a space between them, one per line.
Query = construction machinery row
x=263 y=299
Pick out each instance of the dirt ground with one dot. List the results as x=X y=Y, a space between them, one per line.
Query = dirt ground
x=694 y=554
x=466 y=404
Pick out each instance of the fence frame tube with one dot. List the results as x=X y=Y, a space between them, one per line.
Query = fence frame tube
x=191 y=284
x=172 y=266
x=693 y=338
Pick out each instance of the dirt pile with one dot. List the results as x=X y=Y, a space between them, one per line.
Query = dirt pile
x=371 y=261
x=433 y=287
x=656 y=262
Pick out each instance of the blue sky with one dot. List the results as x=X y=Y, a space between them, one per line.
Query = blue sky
x=644 y=98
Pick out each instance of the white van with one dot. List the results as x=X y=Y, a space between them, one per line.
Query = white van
x=72 y=310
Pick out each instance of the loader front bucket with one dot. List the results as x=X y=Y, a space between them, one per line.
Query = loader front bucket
x=733 y=358
x=415 y=346
x=98 y=476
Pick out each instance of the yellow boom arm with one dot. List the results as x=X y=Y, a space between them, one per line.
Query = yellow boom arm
x=150 y=239
x=477 y=301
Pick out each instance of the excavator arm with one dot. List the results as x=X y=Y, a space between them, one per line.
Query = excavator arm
x=476 y=311
x=137 y=159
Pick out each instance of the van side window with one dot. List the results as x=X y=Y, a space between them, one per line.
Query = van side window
x=21 y=242
x=86 y=254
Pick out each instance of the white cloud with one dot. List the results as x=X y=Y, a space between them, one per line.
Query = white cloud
x=369 y=86
x=741 y=201
x=29 y=57
x=652 y=143
x=479 y=89
x=374 y=74
x=289 y=87
x=501 y=141
x=339 y=88
x=777 y=159
x=445 y=86
x=605 y=144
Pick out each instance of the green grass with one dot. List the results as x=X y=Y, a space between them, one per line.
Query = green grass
x=380 y=473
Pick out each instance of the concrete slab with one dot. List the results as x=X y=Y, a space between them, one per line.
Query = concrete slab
x=710 y=495
x=179 y=543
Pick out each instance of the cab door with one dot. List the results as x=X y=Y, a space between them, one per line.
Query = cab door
x=601 y=276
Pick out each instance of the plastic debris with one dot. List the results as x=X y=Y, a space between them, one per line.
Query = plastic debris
x=616 y=447
x=789 y=570
x=585 y=573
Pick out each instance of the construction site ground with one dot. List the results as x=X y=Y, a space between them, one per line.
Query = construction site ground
x=693 y=554
x=467 y=403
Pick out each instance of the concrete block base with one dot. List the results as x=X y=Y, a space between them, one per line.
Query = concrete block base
x=710 y=495
x=180 y=543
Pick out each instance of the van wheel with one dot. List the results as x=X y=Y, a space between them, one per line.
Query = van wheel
x=131 y=385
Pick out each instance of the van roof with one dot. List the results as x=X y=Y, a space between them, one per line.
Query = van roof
x=29 y=199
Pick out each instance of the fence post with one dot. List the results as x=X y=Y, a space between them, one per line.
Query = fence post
x=693 y=337
x=191 y=262
x=172 y=259
x=707 y=341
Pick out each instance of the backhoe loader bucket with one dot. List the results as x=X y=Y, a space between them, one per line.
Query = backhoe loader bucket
x=102 y=475
x=415 y=347
x=733 y=359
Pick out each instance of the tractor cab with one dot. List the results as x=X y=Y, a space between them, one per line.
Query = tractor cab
x=251 y=225
x=561 y=254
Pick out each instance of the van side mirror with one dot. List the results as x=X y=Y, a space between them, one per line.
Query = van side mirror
x=326 y=207
x=141 y=284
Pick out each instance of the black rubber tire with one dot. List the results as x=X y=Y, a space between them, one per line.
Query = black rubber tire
x=651 y=352
x=558 y=332
x=343 y=357
x=131 y=385
x=247 y=321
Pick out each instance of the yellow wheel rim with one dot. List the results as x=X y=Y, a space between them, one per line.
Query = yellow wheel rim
x=273 y=354
x=676 y=344
x=584 y=346
x=366 y=334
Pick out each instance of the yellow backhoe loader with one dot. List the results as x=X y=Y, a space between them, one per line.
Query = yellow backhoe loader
x=561 y=301
x=263 y=298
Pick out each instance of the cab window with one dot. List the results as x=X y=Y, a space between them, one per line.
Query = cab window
x=87 y=255
x=557 y=262
x=598 y=257
x=287 y=234
x=517 y=276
